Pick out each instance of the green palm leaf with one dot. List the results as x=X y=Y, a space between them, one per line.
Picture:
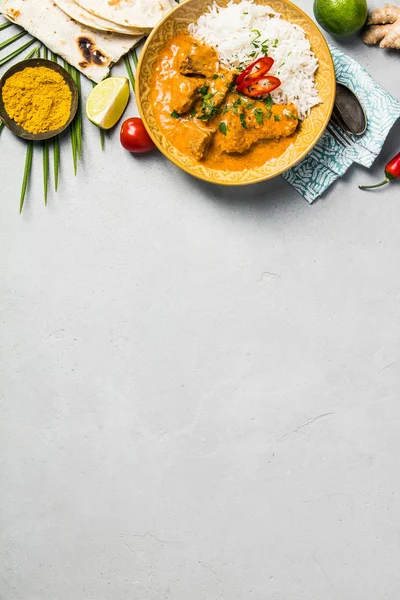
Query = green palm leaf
x=5 y=25
x=27 y=174
x=101 y=131
x=56 y=145
x=78 y=118
x=56 y=160
x=16 y=52
x=45 y=152
x=129 y=70
x=72 y=130
x=13 y=39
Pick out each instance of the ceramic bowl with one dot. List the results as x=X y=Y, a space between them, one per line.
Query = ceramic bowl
x=311 y=128
x=49 y=64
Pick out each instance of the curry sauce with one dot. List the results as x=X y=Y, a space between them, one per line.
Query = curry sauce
x=199 y=110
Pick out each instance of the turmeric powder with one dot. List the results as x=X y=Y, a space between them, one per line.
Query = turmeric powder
x=38 y=99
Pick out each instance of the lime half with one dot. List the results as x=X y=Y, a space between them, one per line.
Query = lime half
x=341 y=17
x=107 y=101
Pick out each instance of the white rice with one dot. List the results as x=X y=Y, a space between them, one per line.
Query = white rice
x=237 y=30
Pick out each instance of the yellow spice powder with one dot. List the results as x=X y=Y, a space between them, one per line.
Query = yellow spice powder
x=38 y=99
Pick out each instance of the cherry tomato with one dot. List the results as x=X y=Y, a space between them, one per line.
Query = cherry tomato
x=134 y=136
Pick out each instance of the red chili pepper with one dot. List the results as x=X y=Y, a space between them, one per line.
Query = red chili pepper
x=392 y=171
x=258 y=68
x=261 y=87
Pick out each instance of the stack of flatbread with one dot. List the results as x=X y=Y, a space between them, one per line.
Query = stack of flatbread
x=91 y=35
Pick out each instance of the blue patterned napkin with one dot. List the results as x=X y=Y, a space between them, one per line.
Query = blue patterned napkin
x=328 y=160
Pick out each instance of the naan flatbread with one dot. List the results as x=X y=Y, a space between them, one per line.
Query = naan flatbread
x=130 y=13
x=76 y=12
x=91 y=52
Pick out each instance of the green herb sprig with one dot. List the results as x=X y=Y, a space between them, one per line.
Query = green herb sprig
x=223 y=127
x=259 y=115
x=268 y=102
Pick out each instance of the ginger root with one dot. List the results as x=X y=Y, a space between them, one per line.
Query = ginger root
x=384 y=27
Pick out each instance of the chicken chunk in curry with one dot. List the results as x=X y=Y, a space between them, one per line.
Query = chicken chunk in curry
x=198 y=60
x=200 y=110
x=254 y=124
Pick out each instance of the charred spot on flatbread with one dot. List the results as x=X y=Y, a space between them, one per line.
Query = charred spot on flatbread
x=90 y=54
x=13 y=14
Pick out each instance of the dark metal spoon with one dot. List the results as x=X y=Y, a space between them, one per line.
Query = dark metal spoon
x=349 y=111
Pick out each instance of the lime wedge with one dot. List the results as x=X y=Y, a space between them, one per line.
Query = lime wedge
x=107 y=101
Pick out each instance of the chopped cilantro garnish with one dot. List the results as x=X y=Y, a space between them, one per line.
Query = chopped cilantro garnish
x=269 y=115
x=208 y=96
x=222 y=127
x=193 y=114
x=208 y=109
x=268 y=102
x=249 y=106
x=204 y=90
x=254 y=41
x=276 y=42
x=175 y=114
x=258 y=113
x=237 y=102
x=215 y=76
x=243 y=120
x=277 y=118
x=235 y=110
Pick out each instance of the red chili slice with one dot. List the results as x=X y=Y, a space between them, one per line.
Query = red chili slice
x=261 y=87
x=259 y=66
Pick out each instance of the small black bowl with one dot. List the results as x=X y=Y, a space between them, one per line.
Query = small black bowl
x=49 y=64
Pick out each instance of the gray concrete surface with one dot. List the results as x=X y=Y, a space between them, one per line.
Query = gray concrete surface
x=199 y=385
